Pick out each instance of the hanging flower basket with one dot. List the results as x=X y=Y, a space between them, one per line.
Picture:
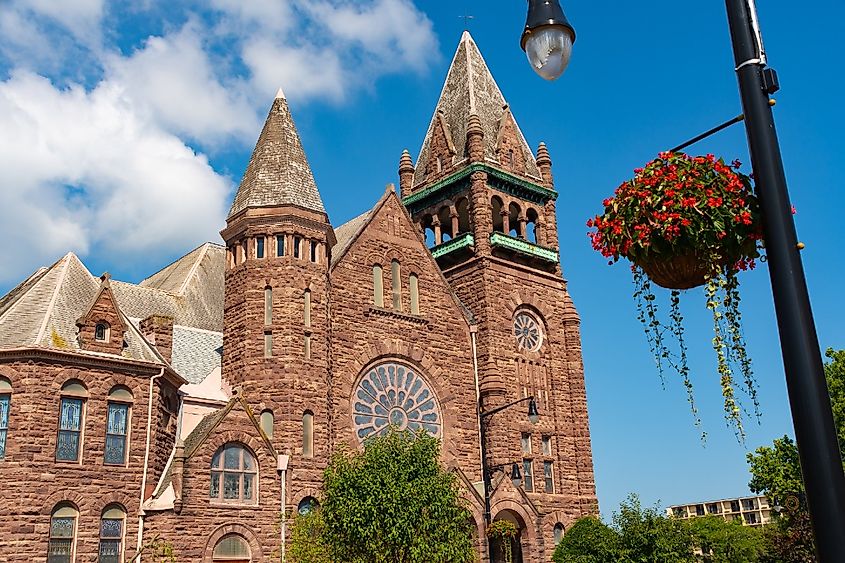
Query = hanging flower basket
x=683 y=222
x=505 y=532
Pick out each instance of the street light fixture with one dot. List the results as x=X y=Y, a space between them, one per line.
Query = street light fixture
x=533 y=413
x=547 y=39
x=812 y=416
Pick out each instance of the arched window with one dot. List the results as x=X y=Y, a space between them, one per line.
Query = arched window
x=71 y=420
x=308 y=434
x=378 y=285
x=462 y=207
x=498 y=218
x=307 y=505
x=268 y=305
x=234 y=474
x=117 y=425
x=531 y=227
x=60 y=544
x=112 y=528
x=396 y=284
x=5 y=402
x=232 y=548
x=101 y=332
x=267 y=422
x=445 y=218
x=515 y=229
x=558 y=532
x=414 y=285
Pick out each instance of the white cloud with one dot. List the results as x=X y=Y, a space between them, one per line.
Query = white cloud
x=105 y=166
x=173 y=81
x=81 y=170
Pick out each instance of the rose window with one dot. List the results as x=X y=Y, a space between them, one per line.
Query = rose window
x=527 y=331
x=392 y=394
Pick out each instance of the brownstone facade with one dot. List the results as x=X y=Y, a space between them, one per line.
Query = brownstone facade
x=439 y=303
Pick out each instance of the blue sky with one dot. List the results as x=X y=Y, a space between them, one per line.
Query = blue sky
x=125 y=132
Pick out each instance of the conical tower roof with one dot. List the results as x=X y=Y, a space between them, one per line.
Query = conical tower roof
x=278 y=172
x=470 y=89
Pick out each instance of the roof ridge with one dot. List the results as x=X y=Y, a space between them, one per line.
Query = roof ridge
x=193 y=269
x=49 y=312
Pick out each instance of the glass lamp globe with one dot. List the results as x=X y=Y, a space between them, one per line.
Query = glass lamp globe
x=549 y=49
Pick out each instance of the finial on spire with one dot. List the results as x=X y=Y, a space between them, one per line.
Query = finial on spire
x=543 y=156
x=406 y=173
x=280 y=95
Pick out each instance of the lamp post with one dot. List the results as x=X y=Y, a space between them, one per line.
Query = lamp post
x=487 y=471
x=821 y=461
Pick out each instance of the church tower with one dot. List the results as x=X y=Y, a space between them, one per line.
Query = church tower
x=275 y=350
x=486 y=205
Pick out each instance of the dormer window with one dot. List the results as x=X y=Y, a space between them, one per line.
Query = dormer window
x=101 y=332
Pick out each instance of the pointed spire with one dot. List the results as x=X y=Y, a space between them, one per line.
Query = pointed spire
x=470 y=90
x=278 y=172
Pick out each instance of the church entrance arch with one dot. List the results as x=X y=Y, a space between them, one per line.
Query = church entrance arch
x=518 y=552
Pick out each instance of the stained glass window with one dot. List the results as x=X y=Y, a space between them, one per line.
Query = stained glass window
x=116 y=429
x=231 y=547
x=306 y=505
x=70 y=429
x=233 y=475
x=527 y=331
x=111 y=535
x=4 y=422
x=393 y=394
x=62 y=533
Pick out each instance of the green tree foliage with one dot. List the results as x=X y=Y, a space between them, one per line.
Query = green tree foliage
x=726 y=542
x=647 y=535
x=775 y=470
x=307 y=544
x=391 y=503
x=589 y=540
x=776 y=473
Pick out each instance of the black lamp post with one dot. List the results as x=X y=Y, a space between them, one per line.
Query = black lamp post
x=488 y=471
x=818 y=449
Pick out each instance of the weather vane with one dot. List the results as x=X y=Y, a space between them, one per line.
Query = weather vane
x=466 y=18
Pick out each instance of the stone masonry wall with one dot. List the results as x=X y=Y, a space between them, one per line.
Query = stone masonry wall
x=34 y=482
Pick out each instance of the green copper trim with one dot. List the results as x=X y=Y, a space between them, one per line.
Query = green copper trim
x=461 y=241
x=505 y=241
x=497 y=179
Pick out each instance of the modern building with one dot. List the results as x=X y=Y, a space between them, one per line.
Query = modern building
x=199 y=405
x=751 y=511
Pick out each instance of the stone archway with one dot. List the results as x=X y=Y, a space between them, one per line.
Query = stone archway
x=518 y=546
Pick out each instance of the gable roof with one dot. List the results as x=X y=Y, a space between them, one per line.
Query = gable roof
x=470 y=89
x=278 y=172
x=352 y=229
x=203 y=430
x=43 y=310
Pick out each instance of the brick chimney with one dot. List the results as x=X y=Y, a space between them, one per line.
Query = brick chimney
x=158 y=330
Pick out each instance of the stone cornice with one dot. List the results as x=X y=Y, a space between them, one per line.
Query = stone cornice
x=379 y=311
x=497 y=179
x=523 y=246
x=139 y=367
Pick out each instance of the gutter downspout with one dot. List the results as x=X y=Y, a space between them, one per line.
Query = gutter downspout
x=473 y=331
x=146 y=461
x=282 y=468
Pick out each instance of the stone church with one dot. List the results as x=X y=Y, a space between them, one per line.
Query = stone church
x=200 y=406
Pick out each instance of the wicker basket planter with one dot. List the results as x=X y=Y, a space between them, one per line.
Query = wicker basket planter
x=685 y=271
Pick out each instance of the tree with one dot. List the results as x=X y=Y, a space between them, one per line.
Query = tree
x=588 y=540
x=391 y=503
x=638 y=535
x=775 y=469
x=776 y=473
x=726 y=542
x=648 y=536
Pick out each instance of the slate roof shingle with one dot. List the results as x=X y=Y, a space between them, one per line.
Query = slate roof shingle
x=470 y=88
